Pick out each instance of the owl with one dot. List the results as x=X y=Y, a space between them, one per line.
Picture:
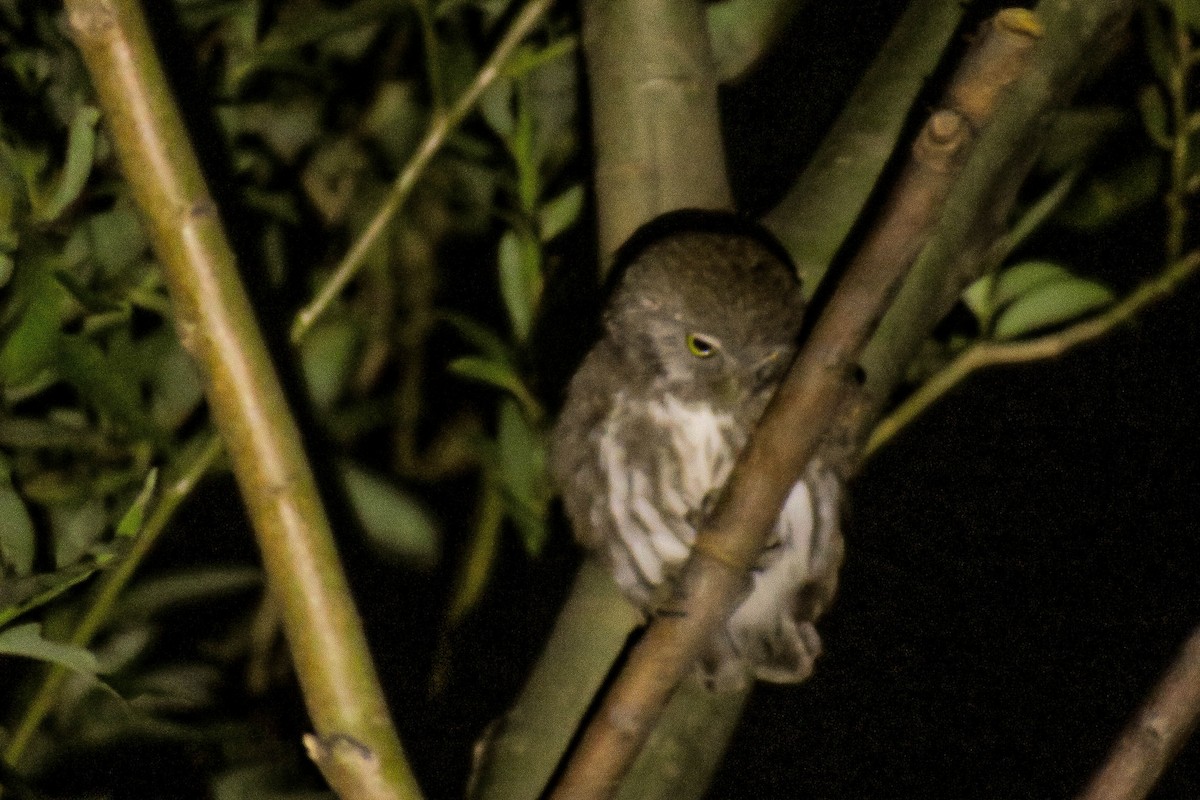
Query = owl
x=701 y=322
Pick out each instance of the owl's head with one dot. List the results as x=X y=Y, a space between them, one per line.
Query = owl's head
x=706 y=306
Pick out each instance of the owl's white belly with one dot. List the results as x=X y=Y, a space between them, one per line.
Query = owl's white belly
x=656 y=490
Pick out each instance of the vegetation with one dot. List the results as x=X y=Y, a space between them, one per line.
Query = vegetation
x=412 y=200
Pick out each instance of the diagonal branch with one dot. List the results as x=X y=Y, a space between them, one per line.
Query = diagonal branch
x=1155 y=735
x=806 y=405
x=985 y=354
x=218 y=327
x=445 y=122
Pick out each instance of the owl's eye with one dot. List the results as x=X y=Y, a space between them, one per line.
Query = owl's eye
x=700 y=346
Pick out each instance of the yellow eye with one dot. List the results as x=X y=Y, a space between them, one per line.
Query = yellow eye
x=699 y=346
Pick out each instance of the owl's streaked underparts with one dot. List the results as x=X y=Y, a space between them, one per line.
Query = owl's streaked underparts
x=699 y=328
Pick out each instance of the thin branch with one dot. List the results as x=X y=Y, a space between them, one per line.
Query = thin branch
x=984 y=354
x=217 y=326
x=194 y=463
x=850 y=160
x=1181 y=134
x=806 y=405
x=1155 y=735
x=439 y=131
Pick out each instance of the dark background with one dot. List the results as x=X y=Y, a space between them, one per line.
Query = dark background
x=1021 y=562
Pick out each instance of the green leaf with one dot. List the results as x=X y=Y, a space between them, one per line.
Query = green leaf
x=561 y=213
x=484 y=338
x=496 y=108
x=396 y=119
x=33 y=343
x=392 y=518
x=978 y=298
x=118 y=238
x=20 y=595
x=328 y=357
x=76 y=530
x=1051 y=304
x=994 y=294
x=741 y=30
x=130 y=524
x=1153 y=108
x=26 y=641
x=18 y=538
x=500 y=374
x=175 y=388
x=194 y=585
x=1021 y=279
x=519 y=295
x=111 y=390
x=480 y=558
x=81 y=150
x=523 y=475
x=319 y=23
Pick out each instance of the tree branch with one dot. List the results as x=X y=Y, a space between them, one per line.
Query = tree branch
x=193 y=463
x=790 y=431
x=218 y=328
x=658 y=148
x=984 y=354
x=444 y=123
x=852 y=156
x=1078 y=39
x=655 y=121
x=1155 y=735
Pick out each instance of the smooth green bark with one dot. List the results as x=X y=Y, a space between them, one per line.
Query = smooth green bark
x=217 y=326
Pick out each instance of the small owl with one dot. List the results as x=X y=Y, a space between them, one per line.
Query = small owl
x=700 y=325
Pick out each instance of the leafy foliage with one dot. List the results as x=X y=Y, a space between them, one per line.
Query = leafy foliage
x=315 y=107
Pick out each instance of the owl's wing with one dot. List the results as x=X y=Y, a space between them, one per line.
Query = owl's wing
x=620 y=479
x=574 y=466
x=772 y=628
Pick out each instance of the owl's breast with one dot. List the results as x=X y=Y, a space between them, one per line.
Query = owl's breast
x=658 y=460
x=701 y=445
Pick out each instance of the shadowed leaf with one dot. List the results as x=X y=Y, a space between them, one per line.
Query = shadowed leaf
x=392 y=518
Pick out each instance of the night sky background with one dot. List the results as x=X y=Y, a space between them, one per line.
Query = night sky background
x=1021 y=563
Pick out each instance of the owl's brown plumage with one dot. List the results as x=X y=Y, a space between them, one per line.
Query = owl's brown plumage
x=699 y=328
